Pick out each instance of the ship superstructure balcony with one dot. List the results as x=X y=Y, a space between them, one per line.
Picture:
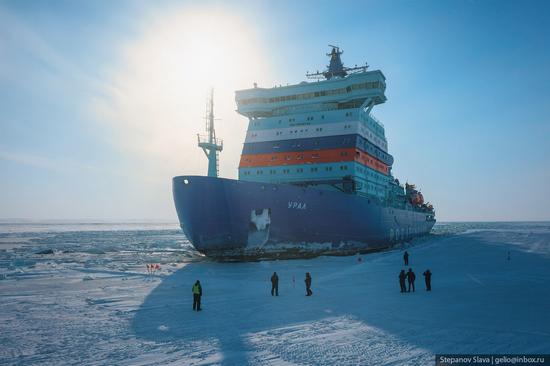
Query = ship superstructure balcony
x=318 y=118
x=337 y=93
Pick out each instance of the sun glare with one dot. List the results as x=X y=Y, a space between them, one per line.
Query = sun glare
x=158 y=94
x=214 y=49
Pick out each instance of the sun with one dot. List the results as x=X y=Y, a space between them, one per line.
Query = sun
x=158 y=94
x=205 y=48
x=209 y=57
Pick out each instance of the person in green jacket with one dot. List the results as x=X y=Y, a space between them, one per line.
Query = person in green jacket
x=197 y=293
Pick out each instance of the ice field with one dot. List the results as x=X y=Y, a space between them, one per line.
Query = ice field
x=80 y=294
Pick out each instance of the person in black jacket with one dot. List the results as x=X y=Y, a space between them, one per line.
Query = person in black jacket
x=308 y=284
x=197 y=293
x=275 y=284
x=428 y=279
x=402 y=277
x=406 y=258
x=411 y=277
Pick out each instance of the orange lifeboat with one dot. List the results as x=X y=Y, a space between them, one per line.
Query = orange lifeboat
x=417 y=198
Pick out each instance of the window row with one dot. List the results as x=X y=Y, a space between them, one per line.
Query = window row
x=256 y=122
x=298 y=144
x=322 y=93
x=370 y=174
x=288 y=171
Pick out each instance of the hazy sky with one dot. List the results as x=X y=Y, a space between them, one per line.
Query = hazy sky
x=100 y=101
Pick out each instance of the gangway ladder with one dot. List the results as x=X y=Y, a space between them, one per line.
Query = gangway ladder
x=209 y=143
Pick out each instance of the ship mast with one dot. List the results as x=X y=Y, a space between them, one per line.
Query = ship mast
x=209 y=143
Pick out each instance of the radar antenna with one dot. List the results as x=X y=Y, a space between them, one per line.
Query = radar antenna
x=336 y=67
x=209 y=143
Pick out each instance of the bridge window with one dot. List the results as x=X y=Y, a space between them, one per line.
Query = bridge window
x=366 y=85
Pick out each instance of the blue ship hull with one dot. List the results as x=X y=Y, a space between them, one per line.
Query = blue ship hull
x=235 y=219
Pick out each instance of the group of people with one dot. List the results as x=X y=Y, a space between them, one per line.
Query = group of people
x=404 y=277
x=410 y=277
x=275 y=284
x=197 y=289
x=152 y=268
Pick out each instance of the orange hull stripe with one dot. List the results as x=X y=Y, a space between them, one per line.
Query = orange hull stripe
x=313 y=157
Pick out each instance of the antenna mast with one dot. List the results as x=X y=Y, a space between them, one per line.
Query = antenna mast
x=209 y=143
x=336 y=68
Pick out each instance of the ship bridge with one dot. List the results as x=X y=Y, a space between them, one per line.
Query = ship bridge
x=350 y=91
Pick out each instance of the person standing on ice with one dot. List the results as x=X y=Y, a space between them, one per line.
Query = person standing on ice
x=411 y=277
x=428 y=279
x=308 y=284
x=197 y=293
x=406 y=258
x=275 y=284
x=402 y=277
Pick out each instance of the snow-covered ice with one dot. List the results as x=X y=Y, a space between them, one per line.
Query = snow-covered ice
x=91 y=301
